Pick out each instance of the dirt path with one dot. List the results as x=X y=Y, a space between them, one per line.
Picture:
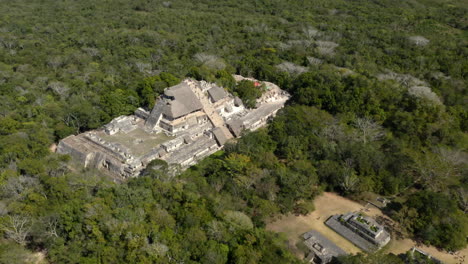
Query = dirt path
x=401 y=246
x=37 y=258
x=329 y=204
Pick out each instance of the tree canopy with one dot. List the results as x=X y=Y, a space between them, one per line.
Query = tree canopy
x=378 y=105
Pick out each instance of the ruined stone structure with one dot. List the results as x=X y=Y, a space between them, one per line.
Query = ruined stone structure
x=188 y=122
x=415 y=250
x=361 y=230
x=321 y=250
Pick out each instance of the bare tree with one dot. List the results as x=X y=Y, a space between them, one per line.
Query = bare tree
x=9 y=42
x=167 y=4
x=204 y=57
x=368 y=129
x=210 y=61
x=51 y=225
x=462 y=194
x=93 y=52
x=269 y=188
x=215 y=230
x=314 y=61
x=17 y=228
x=455 y=157
x=41 y=82
x=334 y=132
x=143 y=67
x=404 y=79
x=59 y=88
x=326 y=47
x=432 y=169
x=333 y=36
x=218 y=184
x=245 y=182
x=3 y=208
x=419 y=40
x=55 y=62
x=291 y=68
x=111 y=75
x=59 y=171
x=310 y=32
x=156 y=249
x=424 y=92
x=16 y=186
x=156 y=56
x=258 y=28
x=72 y=120
x=172 y=172
x=133 y=40
x=350 y=179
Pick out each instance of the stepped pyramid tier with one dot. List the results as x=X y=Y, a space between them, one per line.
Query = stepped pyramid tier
x=189 y=121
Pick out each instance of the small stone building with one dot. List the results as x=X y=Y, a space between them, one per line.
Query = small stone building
x=322 y=250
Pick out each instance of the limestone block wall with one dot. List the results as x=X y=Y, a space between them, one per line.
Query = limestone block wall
x=67 y=146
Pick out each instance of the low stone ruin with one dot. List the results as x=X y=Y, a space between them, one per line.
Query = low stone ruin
x=362 y=231
x=321 y=250
x=189 y=121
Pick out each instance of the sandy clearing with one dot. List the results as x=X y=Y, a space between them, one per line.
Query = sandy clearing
x=325 y=205
x=37 y=258
x=329 y=204
x=400 y=246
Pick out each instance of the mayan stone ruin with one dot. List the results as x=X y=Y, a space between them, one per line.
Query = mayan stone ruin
x=189 y=121
x=362 y=231
x=321 y=250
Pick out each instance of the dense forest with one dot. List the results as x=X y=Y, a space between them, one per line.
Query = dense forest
x=379 y=104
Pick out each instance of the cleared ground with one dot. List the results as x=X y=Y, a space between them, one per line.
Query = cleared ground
x=329 y=204
x=36 y=258
x=402 y=245
x=138 y=141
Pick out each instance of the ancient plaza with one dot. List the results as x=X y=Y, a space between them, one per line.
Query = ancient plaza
x=189 y=121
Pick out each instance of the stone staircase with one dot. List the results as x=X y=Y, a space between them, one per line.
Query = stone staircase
x=155 y=116
x=210 y=111
x=226 y=132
